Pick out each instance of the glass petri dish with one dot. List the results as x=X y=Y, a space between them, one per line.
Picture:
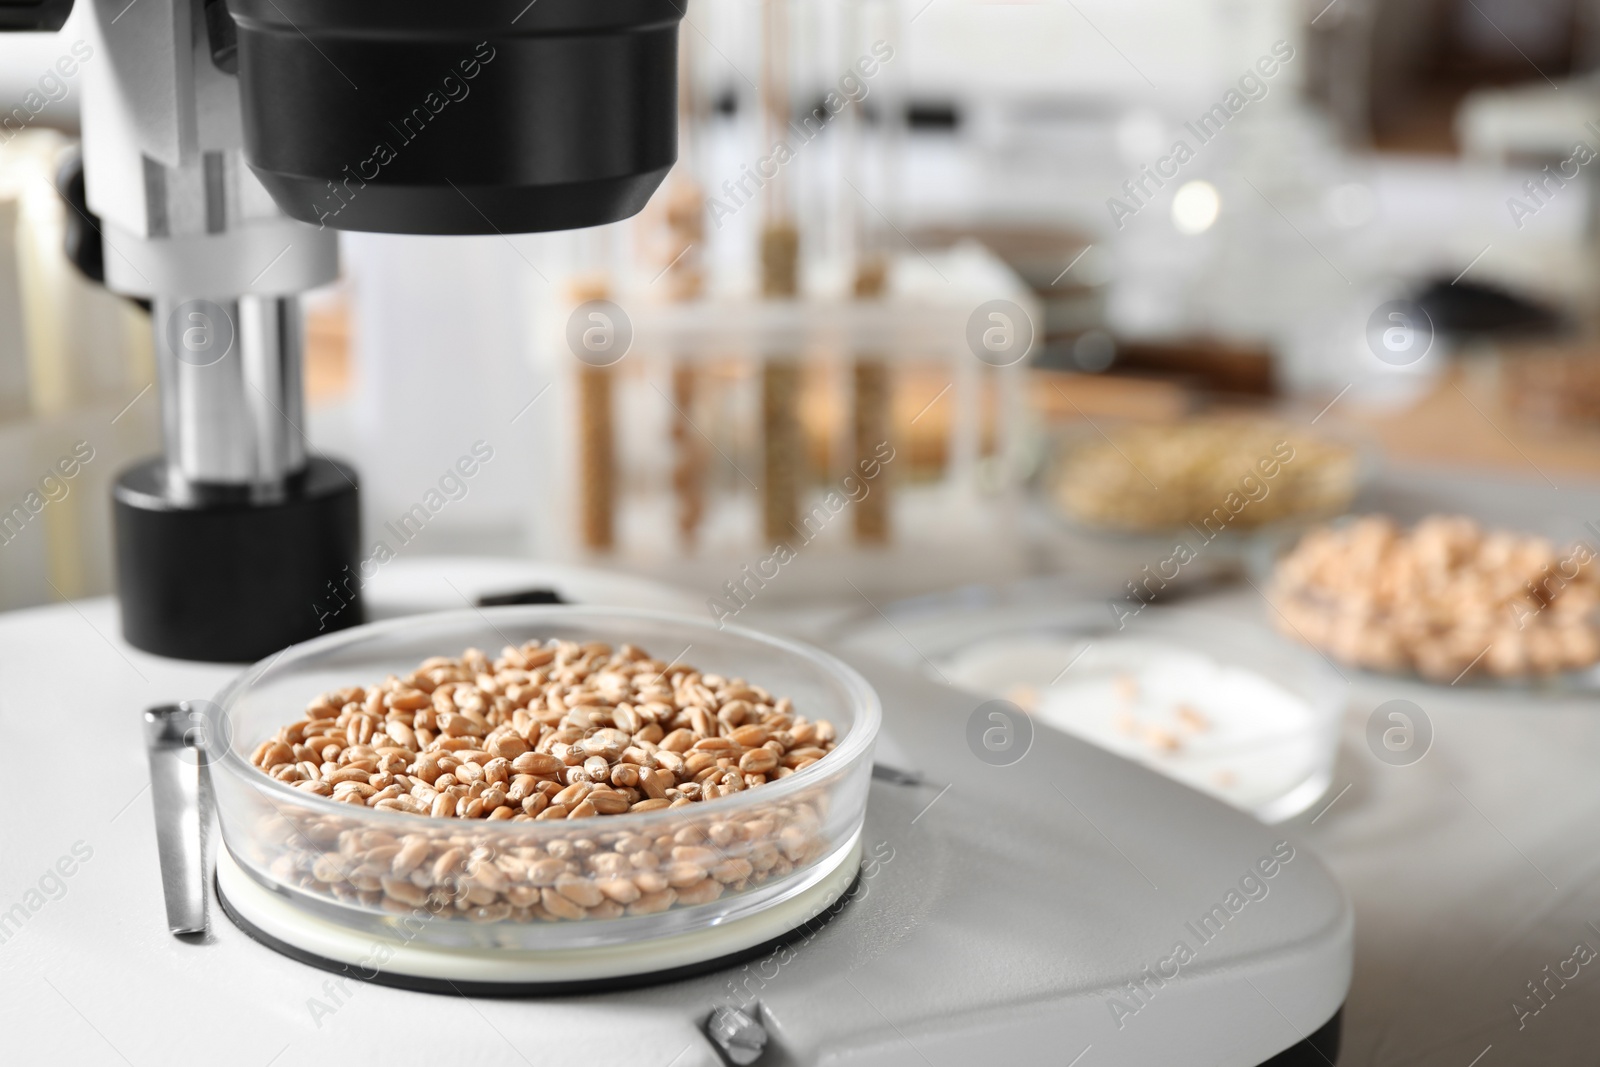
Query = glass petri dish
x=474 y=884
x=1220 y=703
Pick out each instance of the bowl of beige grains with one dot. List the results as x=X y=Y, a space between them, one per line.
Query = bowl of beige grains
x=1203 y=478
x=1447 y=599
x=543 y=778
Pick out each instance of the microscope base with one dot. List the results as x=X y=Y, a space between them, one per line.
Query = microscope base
x=228 y=579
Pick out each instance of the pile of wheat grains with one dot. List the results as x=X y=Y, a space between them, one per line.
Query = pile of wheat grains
x=551 y=731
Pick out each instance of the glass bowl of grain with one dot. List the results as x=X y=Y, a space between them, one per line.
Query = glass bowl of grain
x=608 y=778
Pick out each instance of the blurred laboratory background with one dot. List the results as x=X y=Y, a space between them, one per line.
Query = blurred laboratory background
x=1196 y=209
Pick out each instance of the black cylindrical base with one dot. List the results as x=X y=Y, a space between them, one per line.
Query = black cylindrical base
x=228 y=580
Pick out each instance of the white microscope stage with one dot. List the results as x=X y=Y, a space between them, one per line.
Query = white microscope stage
x=1071 y=908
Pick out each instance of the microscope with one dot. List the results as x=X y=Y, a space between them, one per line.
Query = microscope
x=225 y=144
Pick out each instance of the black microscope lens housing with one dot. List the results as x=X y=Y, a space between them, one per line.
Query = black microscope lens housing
x=499 y=116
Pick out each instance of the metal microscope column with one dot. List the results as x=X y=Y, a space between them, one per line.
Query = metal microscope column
x=229 y=544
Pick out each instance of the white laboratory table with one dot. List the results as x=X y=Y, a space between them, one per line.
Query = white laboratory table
x=1476 y=870
x=1473 y=870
